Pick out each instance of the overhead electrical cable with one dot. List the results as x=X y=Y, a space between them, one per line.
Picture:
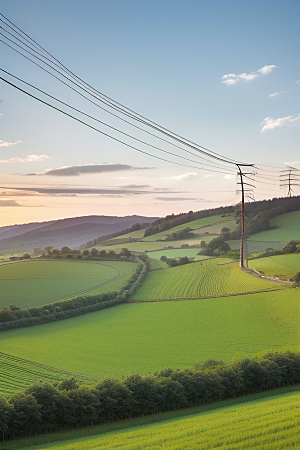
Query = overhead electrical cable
x=105 y=134
x=103 y=123
x=201 y=157
x=130 y=113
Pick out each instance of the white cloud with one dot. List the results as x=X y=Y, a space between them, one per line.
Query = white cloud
x=271 y=124
x=231 y=78
x=229 y=177
x=8 y=144
x=185 y=176
x=277 y=93
x=292 y=163
x=28 y=158
x=298 y=81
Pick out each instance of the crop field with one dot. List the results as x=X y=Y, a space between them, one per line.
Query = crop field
x=32 y=283
x=271 y=423
x=146 y=337
x=287 y=229
x=18 y=373
x=201 y=279
x=281 y=266
x=217 y=227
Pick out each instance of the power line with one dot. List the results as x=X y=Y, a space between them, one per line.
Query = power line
x=96 y=129
x=131 y=113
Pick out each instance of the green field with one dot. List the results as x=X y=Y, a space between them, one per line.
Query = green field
x=195 y=225
x=281 y=266
x=270 y=423
x=201 y=279
x=287 y=228
x=255 y=246
x=32 y=283
x=146 y=337
x=175 y=253
x=18 y=373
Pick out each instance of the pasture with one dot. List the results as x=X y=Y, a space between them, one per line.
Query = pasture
x=281 y=266
x=32 y=283
x=146 y=337
x=287 y=228
x=201 y=279
x=270 y=423
x=175 y=253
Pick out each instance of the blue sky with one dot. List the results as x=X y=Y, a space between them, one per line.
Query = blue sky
x=223 y=74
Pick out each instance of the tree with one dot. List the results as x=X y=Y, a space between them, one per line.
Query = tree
x=66 y=250
x=203 y=244
x=85 y=253
x=48 y=250
x=25 y=414
x=94 y=253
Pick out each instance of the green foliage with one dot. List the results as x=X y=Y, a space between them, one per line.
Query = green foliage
x=43 y=408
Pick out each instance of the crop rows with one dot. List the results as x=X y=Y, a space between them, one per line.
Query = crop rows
x=270 y=424
x=199 y=280
x=18 y=373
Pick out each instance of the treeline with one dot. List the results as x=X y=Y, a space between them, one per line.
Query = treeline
x=185 y=233
x=15 y=317
x=43 y=407
x=258 y=215
x=94 y=253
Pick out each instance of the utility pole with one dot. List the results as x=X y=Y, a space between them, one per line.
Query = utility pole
x=243 y=259
x=290 y=179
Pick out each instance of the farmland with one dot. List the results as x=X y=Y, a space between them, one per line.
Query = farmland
x=18 y=373
x=33 y=283
x=208 y=278
x=281 y=266
x=241 y=426
x=286 y=229
x=146 y=337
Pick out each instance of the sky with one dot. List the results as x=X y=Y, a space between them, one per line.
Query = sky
x=222 y=74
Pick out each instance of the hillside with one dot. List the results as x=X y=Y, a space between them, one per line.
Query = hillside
x=71 y=232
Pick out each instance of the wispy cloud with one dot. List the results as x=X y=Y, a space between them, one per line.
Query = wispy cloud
x=271 y=124
x=28 y=158
x=278 y=93
x=8 y=144
x=70 y=171
x=175 y=199
x=232 y=79
x=298 y=81
x=135 y=186
x=292 y=163
x=185 y=176
x=229 y=177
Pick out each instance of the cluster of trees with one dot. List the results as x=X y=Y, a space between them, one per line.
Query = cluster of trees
x=180 y=219
x=15 y=317
x=185 y=233
x=217 y=246
x=43 y=407
x=173 y=262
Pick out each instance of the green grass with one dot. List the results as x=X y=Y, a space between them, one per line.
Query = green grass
x=195 y=225
x=281 y=266
x=201 y=279
x=256 y=246
x=32 y=283
x=174 y=253
x=287 y=229
x=18 y=373
x=146 y=337
x=270 y=423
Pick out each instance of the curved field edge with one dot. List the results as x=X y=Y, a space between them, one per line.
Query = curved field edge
x=268 y=420
x=36 y=283
x=202 y=279
x=19 y=373
x=146 y=337
x=281 y=266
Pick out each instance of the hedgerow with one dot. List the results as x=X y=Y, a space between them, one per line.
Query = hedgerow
x=43 y=407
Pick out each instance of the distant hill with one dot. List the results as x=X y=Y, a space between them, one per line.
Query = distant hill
x=71 y=232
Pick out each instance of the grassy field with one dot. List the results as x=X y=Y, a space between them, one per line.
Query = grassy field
x=255 y=246
x=201 y=279
x=18 y=373
x=270 y=423
x=145 y=337
x=174 y=253
x=194 y=225
x=31 y=283
x=287 y=229
x=281 y=266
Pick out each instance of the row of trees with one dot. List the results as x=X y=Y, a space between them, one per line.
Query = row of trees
x=43 y=407
x=94 y=253
x=173 y=262
x=15 y=317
